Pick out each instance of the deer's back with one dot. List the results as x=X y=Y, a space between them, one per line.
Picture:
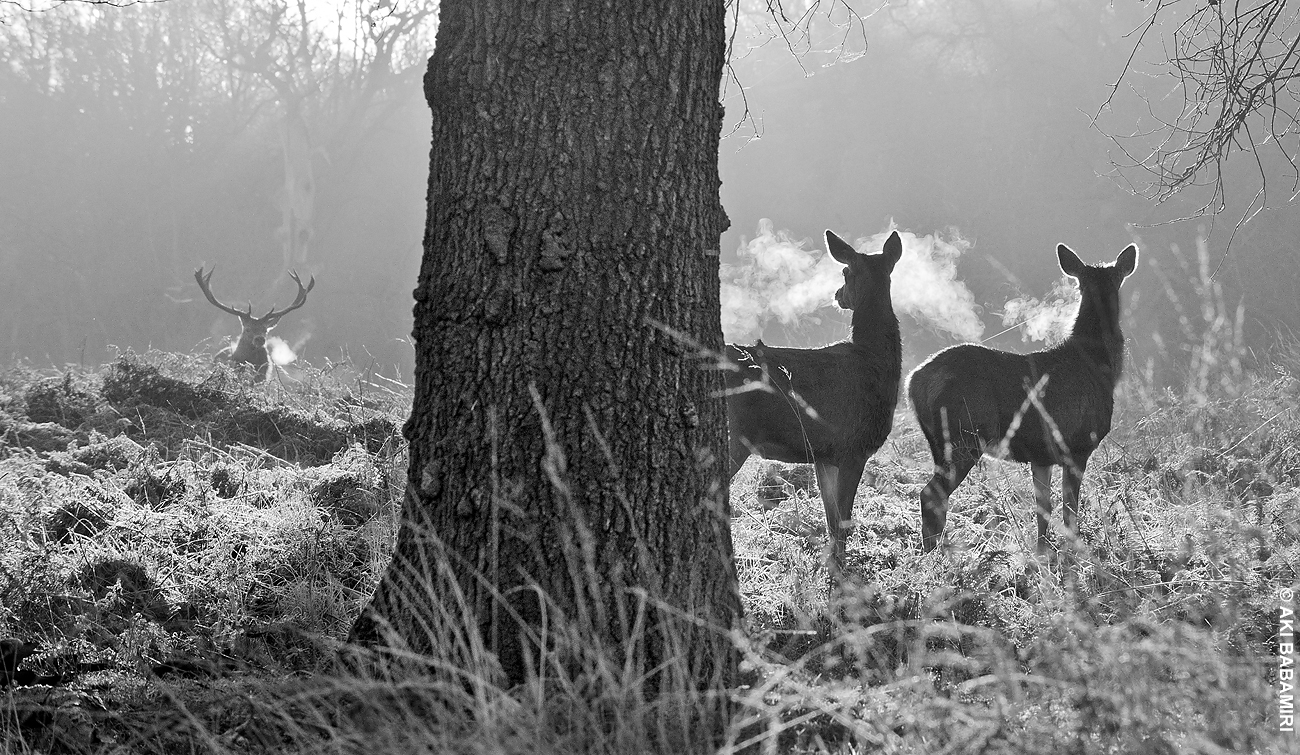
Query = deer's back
x=851 y=391
x=982 y=390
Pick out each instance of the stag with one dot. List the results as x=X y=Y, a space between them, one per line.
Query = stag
x=251 y=348
x=1048 y=408
x=831 y=407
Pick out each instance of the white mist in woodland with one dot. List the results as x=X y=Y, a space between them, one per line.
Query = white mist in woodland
x=925 y=283
x=777 y=277
x=785 y=279
x=1047 y=319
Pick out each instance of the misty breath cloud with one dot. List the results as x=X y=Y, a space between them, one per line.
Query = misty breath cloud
x=925 y=283
x=777 y=277
x=1047 y=320
x=786 y=279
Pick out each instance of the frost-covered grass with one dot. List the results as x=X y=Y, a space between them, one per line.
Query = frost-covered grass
x=189 y=549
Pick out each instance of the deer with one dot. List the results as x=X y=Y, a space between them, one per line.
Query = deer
x=1046 y=408
x=832 y=407
x=251 y=347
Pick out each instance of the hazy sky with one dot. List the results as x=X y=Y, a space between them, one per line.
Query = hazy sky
x=964 y=124
x=974 y=121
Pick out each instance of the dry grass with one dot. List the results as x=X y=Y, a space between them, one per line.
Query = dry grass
x=190 y=549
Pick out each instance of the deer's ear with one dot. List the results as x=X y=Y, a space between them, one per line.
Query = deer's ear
x=1071 y=265
x=893 y=249
x=840 y=249
x=1127 y=261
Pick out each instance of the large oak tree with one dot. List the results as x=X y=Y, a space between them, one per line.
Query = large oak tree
x=567 y=442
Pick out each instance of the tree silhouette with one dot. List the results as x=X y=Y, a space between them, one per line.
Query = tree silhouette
x=1225 y=70
x=566 y=490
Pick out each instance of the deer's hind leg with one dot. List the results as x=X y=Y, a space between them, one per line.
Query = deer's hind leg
x=949 y=470
x=738 y=452
x=955 y=453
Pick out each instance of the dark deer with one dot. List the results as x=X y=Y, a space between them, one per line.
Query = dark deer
x=831 y=407
x=1049 y=408
x=250 y=347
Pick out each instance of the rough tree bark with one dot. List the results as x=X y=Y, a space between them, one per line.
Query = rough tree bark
x=561 y=444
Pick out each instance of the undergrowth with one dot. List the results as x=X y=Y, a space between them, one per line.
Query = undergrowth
x=185 y=551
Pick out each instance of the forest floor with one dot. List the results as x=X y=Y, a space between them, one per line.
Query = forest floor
x=183 y=553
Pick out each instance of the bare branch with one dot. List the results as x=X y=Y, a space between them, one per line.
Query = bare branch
x=1233 y=66
x=767 y=20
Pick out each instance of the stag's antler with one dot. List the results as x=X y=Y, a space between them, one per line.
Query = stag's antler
x=204 y=281
x=273 y=316
x=250 y=347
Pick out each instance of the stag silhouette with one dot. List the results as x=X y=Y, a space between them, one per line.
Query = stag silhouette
x=251 y=347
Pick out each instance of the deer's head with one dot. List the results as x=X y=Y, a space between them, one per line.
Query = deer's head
x=866 y=276
x=1099 y=284
x=250 y=347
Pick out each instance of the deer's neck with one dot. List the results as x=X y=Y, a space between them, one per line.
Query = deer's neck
x=1096 y=337
x=876 y=330
x=248 y=350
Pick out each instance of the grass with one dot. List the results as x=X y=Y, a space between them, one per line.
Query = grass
x=189 y=550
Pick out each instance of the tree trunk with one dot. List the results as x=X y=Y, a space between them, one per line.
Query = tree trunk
x=568 y=468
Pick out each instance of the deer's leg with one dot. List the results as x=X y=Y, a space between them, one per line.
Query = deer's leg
x=847 y=492
x=828 y=479
x=738 y=453
x=948 y=474
x=1071 y=482
x=1042 y=501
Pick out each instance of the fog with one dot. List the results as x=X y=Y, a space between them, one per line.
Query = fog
x=974 y=121
x=142 y=142
x=778 y=279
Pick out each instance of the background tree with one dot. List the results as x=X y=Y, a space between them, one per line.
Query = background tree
x=151 y=142
x=1202 y=115
x=1225 y=73
x=251 y=135
x=567 y=454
